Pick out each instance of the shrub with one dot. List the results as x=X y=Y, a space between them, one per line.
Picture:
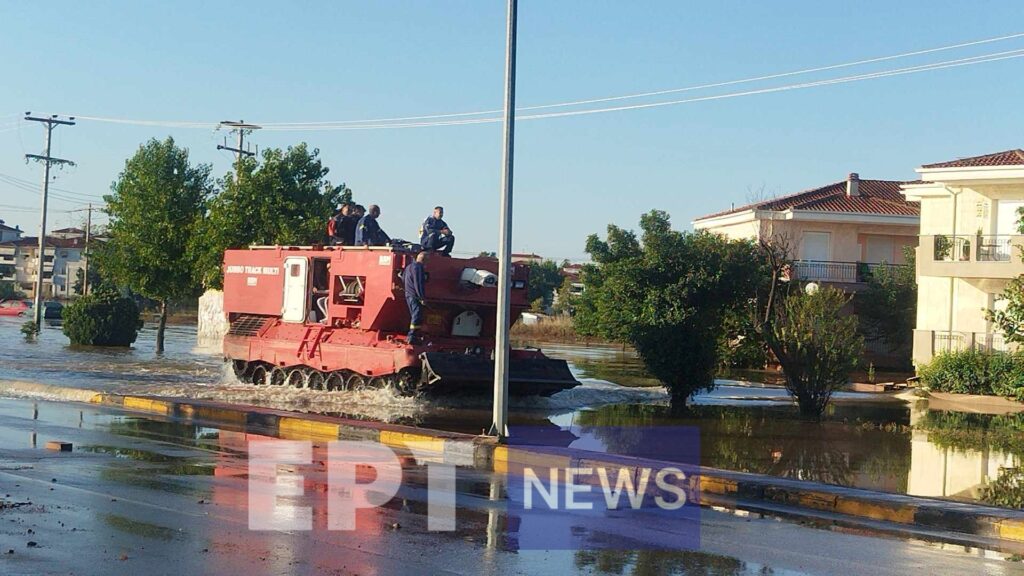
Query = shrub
x=816 y=344
x=29 y=330
x=976 y=372
x=102 y=319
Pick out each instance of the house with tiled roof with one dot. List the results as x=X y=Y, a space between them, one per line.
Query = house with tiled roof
x=837 y=233
x=970 y=248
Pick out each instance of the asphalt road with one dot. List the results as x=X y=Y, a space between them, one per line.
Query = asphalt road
x=139 y=495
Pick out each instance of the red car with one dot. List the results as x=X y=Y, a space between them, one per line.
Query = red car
x=13 y=308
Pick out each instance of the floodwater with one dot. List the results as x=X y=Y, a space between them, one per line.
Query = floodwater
x=870 y=441
x=142 y=495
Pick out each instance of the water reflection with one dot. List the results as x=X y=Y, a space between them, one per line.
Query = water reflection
x=967 y=456
x=867 y=447
x=663 y=563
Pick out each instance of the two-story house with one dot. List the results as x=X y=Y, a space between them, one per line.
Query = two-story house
x=970 y=248
x=836 y=233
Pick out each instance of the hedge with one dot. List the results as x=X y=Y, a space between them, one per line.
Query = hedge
x=976 y=372
x=102 y=319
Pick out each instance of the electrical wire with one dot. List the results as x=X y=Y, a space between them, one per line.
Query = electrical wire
x=402 y=122
x=993 y=57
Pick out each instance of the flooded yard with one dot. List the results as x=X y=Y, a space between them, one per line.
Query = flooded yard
x=870 y=441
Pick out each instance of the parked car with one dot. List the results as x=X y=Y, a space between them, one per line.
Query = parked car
x=13 y=307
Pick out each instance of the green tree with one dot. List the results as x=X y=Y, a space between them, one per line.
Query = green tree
x=155 y=207
x=9 y=290
x=545 y=278
x=284 y=199
x=95 y=279
x=888 y=307
x=666 y=294
x=1010 y=319
x=816 y=344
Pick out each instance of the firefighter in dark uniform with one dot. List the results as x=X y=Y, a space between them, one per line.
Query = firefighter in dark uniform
x=368 y=232
x=415 y=278
x=435 y=234
x=337 y=224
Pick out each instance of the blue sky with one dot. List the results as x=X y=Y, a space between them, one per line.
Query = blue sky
x=320 y=61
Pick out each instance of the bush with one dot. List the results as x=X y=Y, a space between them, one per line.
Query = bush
x=976 y=372
x=816 y=344
x=102 y=319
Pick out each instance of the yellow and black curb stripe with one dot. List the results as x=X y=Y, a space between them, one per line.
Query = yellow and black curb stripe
x=485 y=453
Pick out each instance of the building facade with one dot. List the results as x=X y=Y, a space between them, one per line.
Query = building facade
x=63 y=257
x=7 y=233
x=837 y=233
x=970 y=248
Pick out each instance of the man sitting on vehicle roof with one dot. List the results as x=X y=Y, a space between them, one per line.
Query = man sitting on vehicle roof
x=435 y=235
x=368 y=232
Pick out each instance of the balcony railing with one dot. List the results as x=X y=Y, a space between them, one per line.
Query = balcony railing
x=952 y=248
x=994 y=248
x=949 y=341
x=830 y=271
x=956 y=341
x=990 y=342
x=824 y=271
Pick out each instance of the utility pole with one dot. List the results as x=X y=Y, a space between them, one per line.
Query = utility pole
x=50 y=123
x=88 y=236
x=499 y=422
x=242 y=130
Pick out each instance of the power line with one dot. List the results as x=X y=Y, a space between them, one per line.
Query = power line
x=993 y=57
x=66 y=195
x=402 y=122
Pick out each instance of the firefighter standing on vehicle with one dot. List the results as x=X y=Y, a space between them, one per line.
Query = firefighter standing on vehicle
x=415 y=278
x=337 y=225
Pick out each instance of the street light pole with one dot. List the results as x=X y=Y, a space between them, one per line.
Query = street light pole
x=499 y=422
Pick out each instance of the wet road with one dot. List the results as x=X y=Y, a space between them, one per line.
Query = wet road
x=141 y=495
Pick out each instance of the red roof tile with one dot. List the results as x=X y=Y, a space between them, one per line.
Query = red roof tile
x=1004 y=158
x=876 y=197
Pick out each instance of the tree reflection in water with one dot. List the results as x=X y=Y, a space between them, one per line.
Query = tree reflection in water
x=661 y=563
x=853 y=446
x=985 y=434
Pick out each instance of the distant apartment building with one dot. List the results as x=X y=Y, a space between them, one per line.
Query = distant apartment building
x=837 y=233
x=62 y=258
x=970 y=248
x=7 y=233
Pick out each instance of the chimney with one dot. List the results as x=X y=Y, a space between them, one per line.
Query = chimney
x=853 y=184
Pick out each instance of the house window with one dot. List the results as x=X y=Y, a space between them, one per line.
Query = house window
x=816 y=246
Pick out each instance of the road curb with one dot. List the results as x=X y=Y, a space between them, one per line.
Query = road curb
x=485 y=453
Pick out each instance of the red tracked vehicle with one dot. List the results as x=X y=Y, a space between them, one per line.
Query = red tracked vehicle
x=335 y=318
